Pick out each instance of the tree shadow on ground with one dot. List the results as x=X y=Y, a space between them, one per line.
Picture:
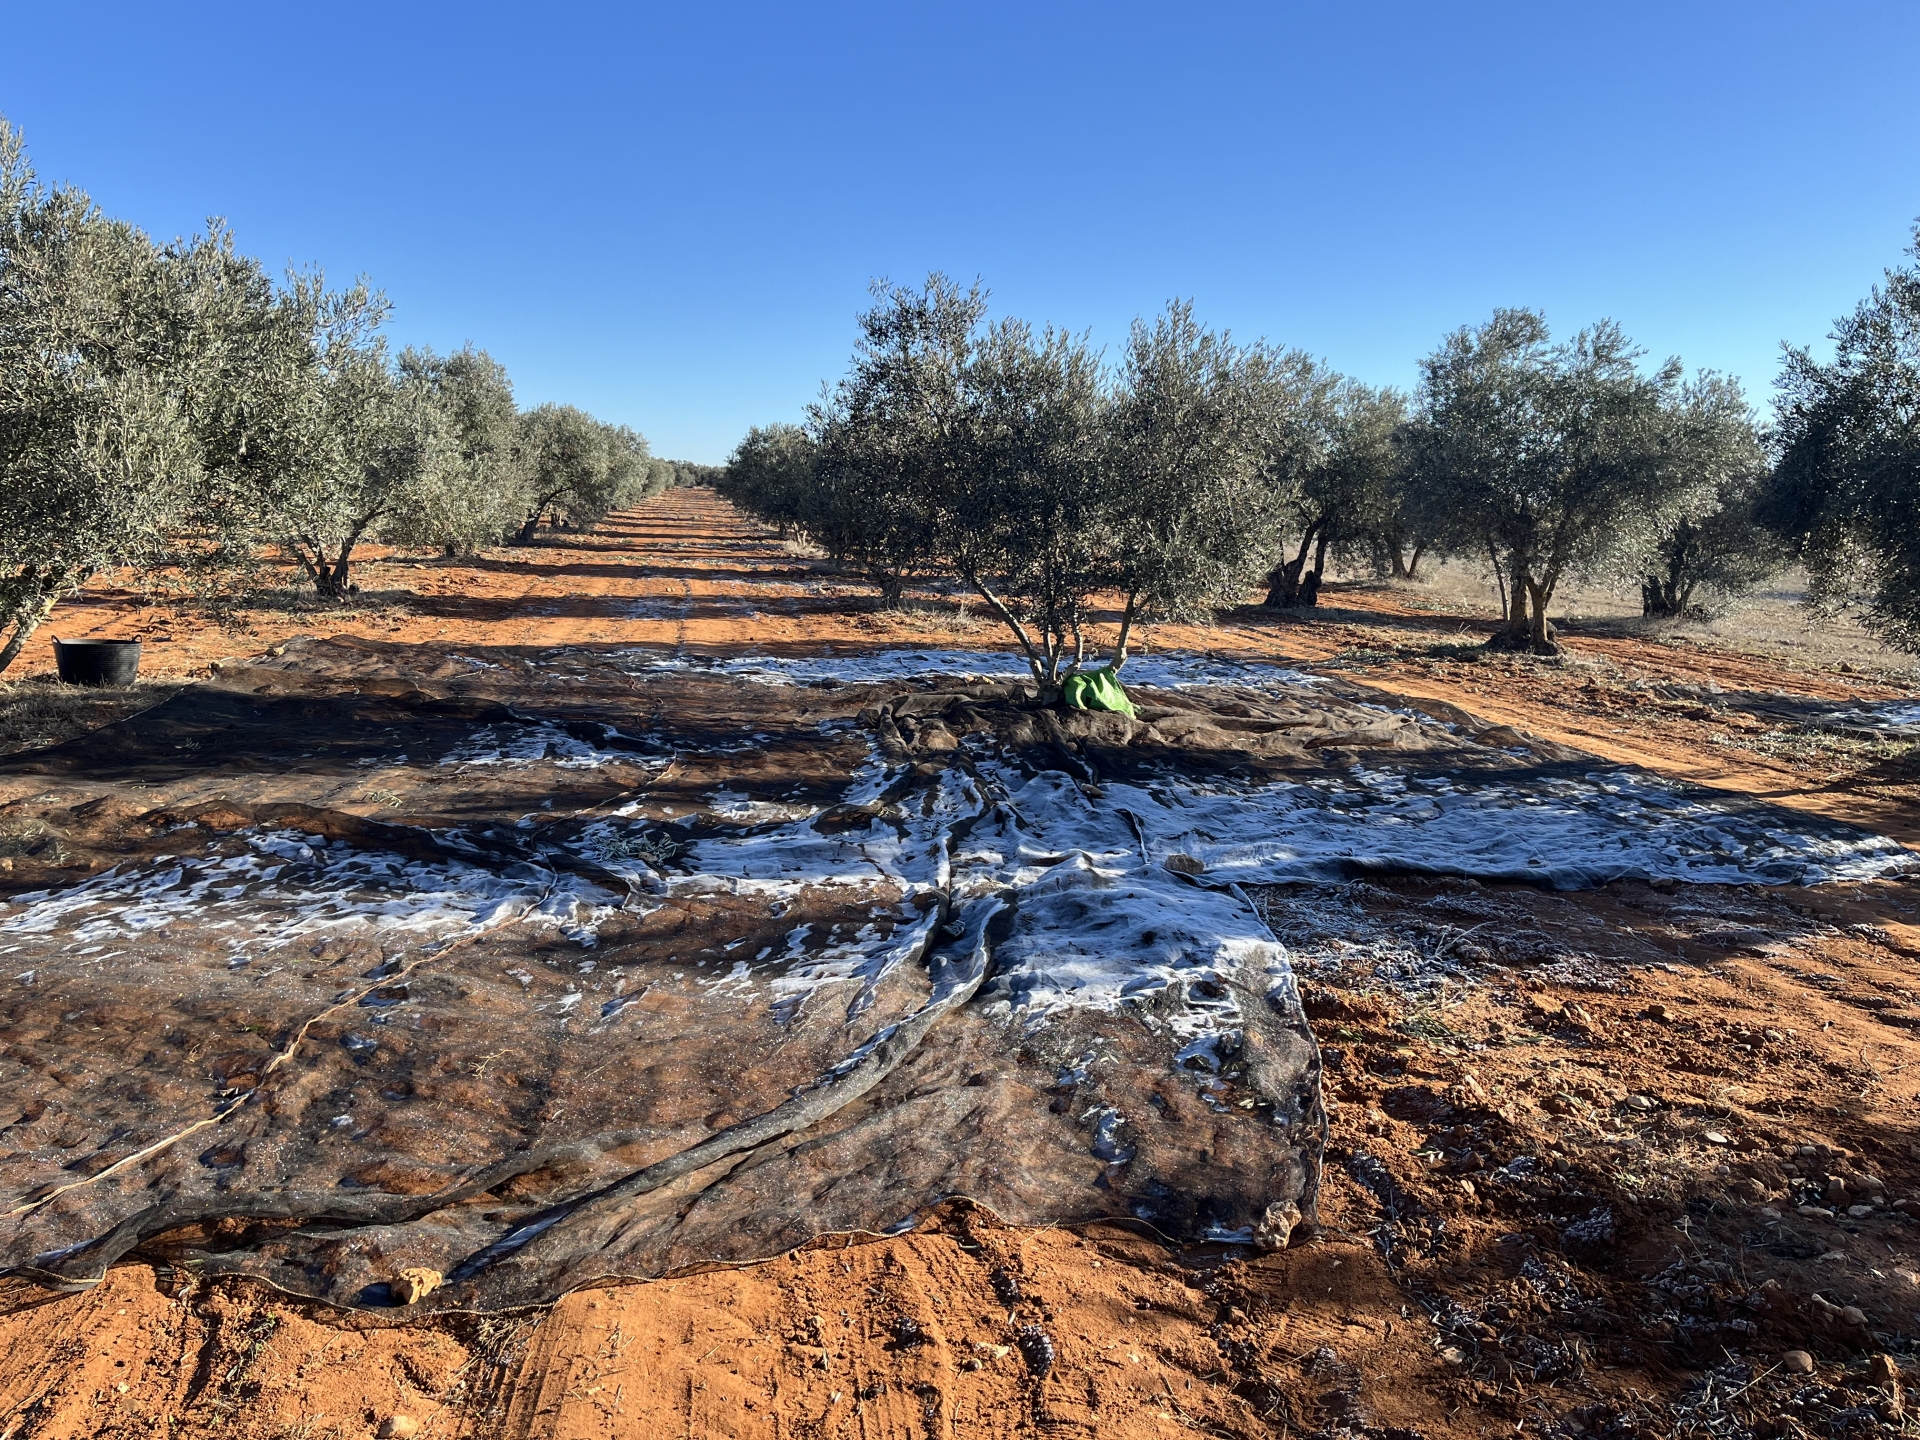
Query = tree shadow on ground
x=1260 y=617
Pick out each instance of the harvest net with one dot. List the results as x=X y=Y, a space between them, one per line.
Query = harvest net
x=532 y=970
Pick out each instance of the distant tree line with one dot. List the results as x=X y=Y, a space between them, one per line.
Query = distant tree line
x=173 y=405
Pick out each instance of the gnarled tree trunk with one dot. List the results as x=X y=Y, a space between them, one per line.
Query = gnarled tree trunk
x=1283 y=582
x=1669 y=594
x=1540 y=631
x=1526 y=629
x=1309 y=594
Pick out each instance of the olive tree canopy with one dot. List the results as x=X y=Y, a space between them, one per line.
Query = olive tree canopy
x=471 y=495
x=339 y=445
x=174 y=405
x=1552 y=456
x=770 y=474
x=1349 y=488
x=1017 y=462
x=576 y=468
x=102 y=339
x=1022 y=513
x=1714 y=543
x=890 y=435
x=1194 y=423
x=1847 y=488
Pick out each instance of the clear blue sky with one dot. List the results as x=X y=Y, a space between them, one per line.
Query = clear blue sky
x=669 y=214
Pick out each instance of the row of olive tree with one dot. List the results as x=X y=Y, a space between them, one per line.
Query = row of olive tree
x=170 y=404
x=1565 y=460
x=1196 y=466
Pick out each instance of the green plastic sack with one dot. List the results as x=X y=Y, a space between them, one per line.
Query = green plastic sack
x=1096 y=690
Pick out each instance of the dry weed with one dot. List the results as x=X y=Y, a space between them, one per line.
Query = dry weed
x=40 y=712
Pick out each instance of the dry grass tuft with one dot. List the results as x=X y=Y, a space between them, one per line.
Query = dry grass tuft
x=41 y=711
x=918 y=616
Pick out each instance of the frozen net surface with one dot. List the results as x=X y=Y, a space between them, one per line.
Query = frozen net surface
x=1565 y=831
x=1894 y=719
x=864 y=667
x=630 y=920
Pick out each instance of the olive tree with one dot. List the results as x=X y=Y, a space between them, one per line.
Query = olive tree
x=1846 y=492
x=576 y=469
x=1350 y=490
x=1295 y=411
x=662 y=476
x=1551 y=455
x=1153 y=484
x=98 y=332
x=1022 y=515
x=1193 y=426
x=771 y=475
x=629 y=468
x=889 y=436
x=470 y=497
x=347 y=446
x=1715 y=544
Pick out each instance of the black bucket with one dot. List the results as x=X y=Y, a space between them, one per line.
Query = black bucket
x=97 y=662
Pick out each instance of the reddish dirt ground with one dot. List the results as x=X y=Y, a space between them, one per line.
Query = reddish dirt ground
x=1654 y=1143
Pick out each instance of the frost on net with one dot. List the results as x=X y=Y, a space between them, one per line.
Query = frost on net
x=639 y=978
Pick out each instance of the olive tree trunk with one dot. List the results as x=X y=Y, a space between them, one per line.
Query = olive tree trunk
x=1283 y=582
x=30 y=619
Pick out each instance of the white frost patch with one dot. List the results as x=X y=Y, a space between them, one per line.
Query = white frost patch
x=1895 y=719
x=1175 y=671
x=287 y=885
x=902 y=845
x=737 y=809
x=1102 y=922
x=1567 y=832
x=506 y=746
x=1107 y=1142
x=777 y=852
x=1205 y=1053
x=734 y=981
x=1097 y=925
x=865 y=956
